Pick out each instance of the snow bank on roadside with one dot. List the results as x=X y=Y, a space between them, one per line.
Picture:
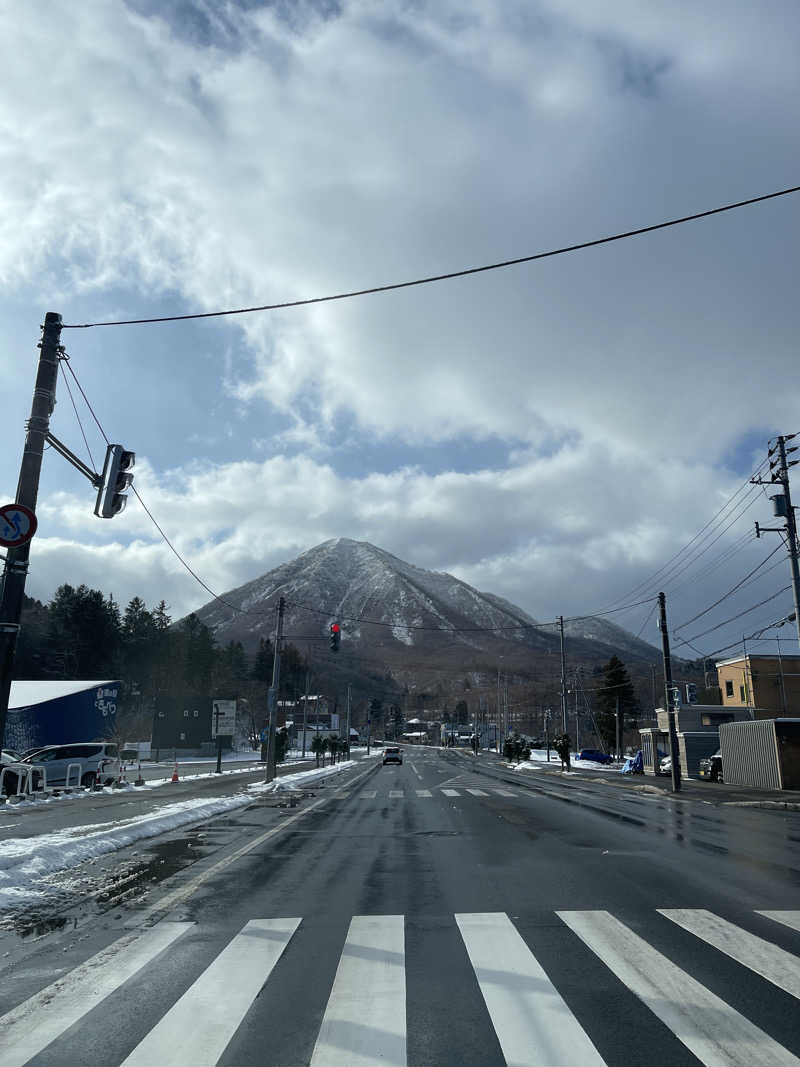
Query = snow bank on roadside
x=25 y=863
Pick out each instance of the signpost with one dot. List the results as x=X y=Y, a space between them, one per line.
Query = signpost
x=223 y=722
x=17 y=525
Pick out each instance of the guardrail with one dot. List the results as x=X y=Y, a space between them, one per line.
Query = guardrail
x=67 y=787
x=24 y=772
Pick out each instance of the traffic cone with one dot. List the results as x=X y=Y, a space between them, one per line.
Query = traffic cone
x=175 y=772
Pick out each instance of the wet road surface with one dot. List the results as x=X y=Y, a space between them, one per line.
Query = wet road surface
x=430 y=914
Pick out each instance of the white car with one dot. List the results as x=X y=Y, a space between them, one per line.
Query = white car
x=665 y=767
x=87 y=764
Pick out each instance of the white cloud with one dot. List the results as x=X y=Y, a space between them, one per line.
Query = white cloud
x=238 y=157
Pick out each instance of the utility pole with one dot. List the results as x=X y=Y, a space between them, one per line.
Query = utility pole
x=305 y=713
x=16 y=564
x=219 y=739
x=782 y=507
x=577 y=721
x=563 y=678
x=616 y=722
x=673 y=736
x=347 y=734
x=272 y=695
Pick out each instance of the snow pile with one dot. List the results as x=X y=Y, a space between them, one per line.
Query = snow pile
x=25 y=863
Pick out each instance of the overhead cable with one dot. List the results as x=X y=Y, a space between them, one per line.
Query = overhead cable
x=442 y=277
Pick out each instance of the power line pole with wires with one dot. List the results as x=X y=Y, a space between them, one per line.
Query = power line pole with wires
x=668 y=694
x=272 y=695
x=16 y=562
x=563 y=678
x=783 y=508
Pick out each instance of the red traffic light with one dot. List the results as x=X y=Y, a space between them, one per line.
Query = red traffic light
x=335 y=628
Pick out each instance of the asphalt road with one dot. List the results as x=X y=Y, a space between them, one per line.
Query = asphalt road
x=432 y=914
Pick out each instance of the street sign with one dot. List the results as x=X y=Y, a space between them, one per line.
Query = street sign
x=223 y=717
x=17 y=525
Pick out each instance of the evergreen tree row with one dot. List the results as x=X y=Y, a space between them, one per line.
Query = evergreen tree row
x=82 y=634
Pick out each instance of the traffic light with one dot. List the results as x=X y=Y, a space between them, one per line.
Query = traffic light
x=336 y=636
x=111 y=499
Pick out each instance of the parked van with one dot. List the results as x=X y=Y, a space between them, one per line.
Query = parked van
x=96 y=762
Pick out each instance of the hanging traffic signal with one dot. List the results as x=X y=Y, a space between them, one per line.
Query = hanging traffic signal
x=336 y=636
x=111 y=499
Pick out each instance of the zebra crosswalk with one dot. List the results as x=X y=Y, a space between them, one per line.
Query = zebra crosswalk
x=366 y=1019
x=423 y=794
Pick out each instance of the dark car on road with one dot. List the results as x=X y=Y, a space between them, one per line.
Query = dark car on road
x=595 y=755
x=392 y=755
x=711 y=767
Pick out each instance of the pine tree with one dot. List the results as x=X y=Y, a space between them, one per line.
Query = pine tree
x=616 y=684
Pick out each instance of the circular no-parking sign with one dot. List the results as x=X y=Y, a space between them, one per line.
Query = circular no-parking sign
x=17 y=525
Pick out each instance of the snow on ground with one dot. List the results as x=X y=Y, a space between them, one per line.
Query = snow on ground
x=539 y=757
x=25 y=863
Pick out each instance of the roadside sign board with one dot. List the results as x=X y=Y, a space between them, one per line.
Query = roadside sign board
x=17 y=525
x=223 y=717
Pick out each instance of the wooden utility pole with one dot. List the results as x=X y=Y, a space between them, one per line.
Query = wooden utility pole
x=16 y=564
x=668 y=687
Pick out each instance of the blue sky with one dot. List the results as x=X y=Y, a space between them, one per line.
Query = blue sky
x=553 y=432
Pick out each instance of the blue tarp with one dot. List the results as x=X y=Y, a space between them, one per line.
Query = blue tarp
x=634 y=765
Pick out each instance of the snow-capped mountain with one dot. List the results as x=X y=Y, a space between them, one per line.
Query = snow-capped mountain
x=391 y=611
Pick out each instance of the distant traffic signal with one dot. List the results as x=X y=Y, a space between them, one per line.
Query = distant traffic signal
x=111 y=499
x=336 y=636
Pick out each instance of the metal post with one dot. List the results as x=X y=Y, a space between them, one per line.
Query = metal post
x=219 y=739
x=272 y=696
x=616 y=720
x=305 y=714
x=577 y=723
x=16 y=565
x=347 y=735
x=791 y=532
x=673 y=737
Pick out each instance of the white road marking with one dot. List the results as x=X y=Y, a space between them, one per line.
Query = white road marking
x=369 y=794
x=396 y=793
x=504 y=792
x=198 y=1028
x=533 y=1024
x=477 y=792
x=30 y=1027
x=414 y=769
x=365 y=1019
x=451 y=792
x=771 y=962
x=424 y=793
x=184 y=891
x=714 y=1031
x=788 y=918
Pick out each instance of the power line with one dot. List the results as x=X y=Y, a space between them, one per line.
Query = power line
x=730 y=592
x=65 y=362
x=660 y=575
x=733 y=618
x=442 y=277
